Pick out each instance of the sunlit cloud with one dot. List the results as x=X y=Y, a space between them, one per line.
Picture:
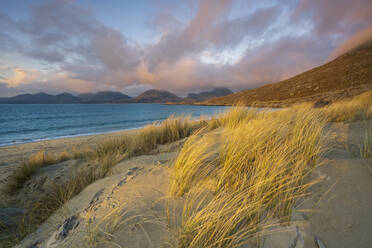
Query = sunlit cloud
x=63 y=46
x=20 y=76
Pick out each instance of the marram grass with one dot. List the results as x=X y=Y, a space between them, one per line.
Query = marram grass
x=251 y=172
x=102 y=159
x=258 y=173
x=358 y=108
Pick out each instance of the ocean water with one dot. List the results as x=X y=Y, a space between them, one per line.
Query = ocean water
x=23 y=123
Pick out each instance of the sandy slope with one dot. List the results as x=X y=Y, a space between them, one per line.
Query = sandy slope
x=129 y=207
x=338 y=211
x=126 y=208
x=13 y=155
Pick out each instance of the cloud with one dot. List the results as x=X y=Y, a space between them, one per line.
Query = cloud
x=21 y=76
x=353 y=42
x=210 y=29
x=280 y=59
x=337 y=17
x=112 y=49
x=7 y=91
x=269 y=41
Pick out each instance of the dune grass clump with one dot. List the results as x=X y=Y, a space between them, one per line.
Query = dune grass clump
x=170 y=130
x=233 y=117
x=365 y=148
x=102 y=159
x=111 y=151
x=257 y=174
x=147 y=138
x=31 y=166
x=358 y=108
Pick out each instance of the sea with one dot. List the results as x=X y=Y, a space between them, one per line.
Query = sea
x=24 y=123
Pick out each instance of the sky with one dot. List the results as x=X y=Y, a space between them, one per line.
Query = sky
x=182 y=46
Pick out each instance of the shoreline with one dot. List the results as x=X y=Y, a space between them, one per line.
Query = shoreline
x=12 y=155
x=70 y=136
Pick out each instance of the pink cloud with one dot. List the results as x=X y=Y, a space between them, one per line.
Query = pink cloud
x=354 y=41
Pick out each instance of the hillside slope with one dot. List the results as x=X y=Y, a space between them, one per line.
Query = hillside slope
x=348 y=75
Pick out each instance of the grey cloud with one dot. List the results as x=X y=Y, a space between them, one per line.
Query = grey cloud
x=70 y=38
x=113 y=51
x=232 y=32
x=356 y=40
x=211 y=29
x=6 y=91
x=340 y=17
x=61 y=31
x=193 y=38
x=281 y=59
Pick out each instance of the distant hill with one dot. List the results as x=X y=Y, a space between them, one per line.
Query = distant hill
x=205 y=95
x=65 y=98
x=149 y=96
x=156 y=96
x=103 y=97
x=41 y=98
x=348 y=75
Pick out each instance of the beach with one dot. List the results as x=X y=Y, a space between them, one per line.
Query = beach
x=180 y=183
x=15 y=154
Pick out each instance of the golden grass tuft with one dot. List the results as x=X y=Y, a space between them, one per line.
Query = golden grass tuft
x=31 y=166
x=102 y=159
x=111 y=151
x=358 y=108
x=258 y=173
x=365 y=148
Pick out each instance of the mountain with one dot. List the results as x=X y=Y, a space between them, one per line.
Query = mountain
x=156 y=96
x=206 y=95
x=348 y=75
x=103 y=97
x=30 y=98
x=66 y=98
x=149 y=96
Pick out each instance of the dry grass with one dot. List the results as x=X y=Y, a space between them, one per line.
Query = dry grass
x=358 y=108
x=31 y=166
x=103 y=158
x=252 y=171
x=258 y=173
x=365 y=148
x=102 y=231
x=111 y=151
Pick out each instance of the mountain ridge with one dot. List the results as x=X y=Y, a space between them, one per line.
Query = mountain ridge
x=149 y=96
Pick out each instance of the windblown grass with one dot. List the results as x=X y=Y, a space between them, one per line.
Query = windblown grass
x=258 y=173
x=233 y=117
x=31 y=166
x=365 y=148
x=358 y=108
x=111 y=151
x=103 y=158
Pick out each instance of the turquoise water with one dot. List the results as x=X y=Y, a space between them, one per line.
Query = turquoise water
x=23 y=123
